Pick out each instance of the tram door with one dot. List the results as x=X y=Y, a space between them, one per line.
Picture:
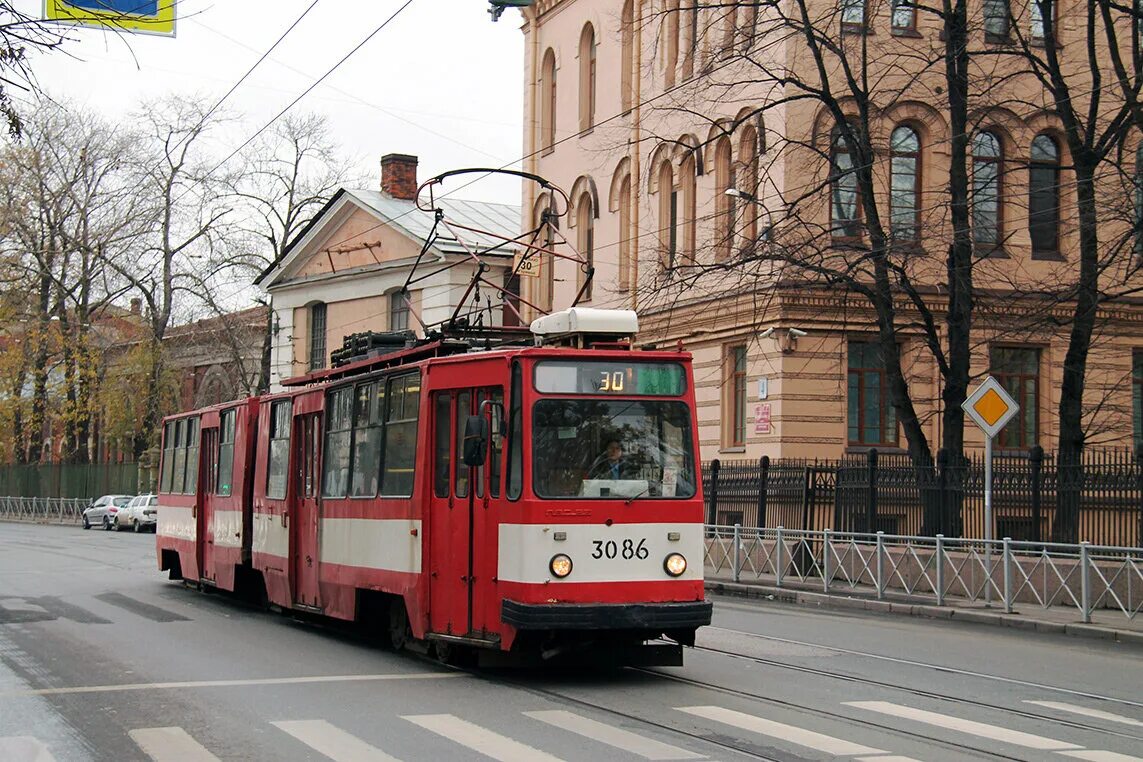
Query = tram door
x=463 y=556
x=208 y=481
x=305 y=519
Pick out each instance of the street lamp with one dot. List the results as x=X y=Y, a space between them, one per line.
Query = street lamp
x=764 y=234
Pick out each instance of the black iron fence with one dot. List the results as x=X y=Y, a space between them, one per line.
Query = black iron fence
x=86 y=480
x=1098 y=498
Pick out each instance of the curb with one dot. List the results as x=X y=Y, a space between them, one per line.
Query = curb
x=928 y=611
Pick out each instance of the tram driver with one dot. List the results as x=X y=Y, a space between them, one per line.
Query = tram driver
x=611 y=464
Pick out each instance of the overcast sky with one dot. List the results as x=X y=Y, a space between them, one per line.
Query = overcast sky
x=441 y=81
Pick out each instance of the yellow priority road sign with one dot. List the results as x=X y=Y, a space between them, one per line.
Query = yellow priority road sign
x=990 y=407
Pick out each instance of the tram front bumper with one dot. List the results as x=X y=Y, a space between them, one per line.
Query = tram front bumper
x=659 y=617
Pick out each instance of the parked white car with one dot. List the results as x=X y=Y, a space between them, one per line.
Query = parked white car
x=103 y=509
x=141 y=514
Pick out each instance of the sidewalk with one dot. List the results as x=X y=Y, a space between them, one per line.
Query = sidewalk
x=1107 y=624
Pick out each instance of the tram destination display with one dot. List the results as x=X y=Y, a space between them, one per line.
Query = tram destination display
x=657 y=379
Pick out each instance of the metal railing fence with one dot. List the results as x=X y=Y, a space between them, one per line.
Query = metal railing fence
x=59 y=510
x=1007 y=572
x=1035 y=495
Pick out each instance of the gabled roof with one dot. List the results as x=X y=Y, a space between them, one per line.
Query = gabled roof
x=404 y=216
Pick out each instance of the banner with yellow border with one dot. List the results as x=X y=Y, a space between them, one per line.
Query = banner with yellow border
x=139 y=16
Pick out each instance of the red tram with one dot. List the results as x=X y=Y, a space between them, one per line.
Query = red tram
x=537 y=500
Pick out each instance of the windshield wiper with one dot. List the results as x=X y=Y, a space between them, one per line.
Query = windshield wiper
x=638 y=494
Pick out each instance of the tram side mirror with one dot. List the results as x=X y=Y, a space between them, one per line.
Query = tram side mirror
x=475 y=440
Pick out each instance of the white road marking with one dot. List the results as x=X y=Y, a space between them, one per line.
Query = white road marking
x=332 y=741
x=24 y=749
x=170 y=745
x=479 y=739
x=887 y=759
x=232 y=683
x=616 y=737
x=980 y=729
x=1087 y=712
x=1101 y=756
x=795 y=735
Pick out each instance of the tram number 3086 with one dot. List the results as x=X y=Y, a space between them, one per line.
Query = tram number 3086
x=627 y=549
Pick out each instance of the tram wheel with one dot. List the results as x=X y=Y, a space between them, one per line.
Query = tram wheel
x=399 y=633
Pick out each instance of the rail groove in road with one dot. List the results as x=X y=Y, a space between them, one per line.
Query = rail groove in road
x=943 y=696
x=937 y=667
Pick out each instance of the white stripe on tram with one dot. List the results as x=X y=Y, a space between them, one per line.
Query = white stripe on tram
x=616 y=737
x=979 y=729
x=479 y=739
x=1099 y=714
x=24 y=749
x=170 y=745
x=332 y=741
x=837 y=747
x=1101 y=756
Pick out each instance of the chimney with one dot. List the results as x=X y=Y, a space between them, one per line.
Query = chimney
x=399 y=176
x=136 y=306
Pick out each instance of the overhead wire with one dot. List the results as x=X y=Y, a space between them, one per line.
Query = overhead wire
x=308 y=90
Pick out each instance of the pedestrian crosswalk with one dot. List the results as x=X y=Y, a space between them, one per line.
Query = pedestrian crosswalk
x=689 y=732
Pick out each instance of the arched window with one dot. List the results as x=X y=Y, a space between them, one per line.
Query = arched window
x=845 y=206
x=548 y=101
x=747 y=180
x=996 y=15
x=1044 y=196
x=317 y=335
x=585 y=242
x=729 y=29
x=668 y=215
x=547 y=239
x=749 y=27
x=587 y=78
x=688 y=192
x=670 y=41
x=692 y=39
x=987 y=171
x=627 y=58
x=726 y=208
x=625 y=233
x=904 y=183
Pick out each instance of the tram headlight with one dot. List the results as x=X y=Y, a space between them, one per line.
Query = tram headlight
x=560 y=565
x=674 y=564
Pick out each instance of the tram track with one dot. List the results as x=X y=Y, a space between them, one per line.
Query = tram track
x=936 y=695
x=935 y=667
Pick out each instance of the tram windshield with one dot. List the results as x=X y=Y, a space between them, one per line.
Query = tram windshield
x=612 y=448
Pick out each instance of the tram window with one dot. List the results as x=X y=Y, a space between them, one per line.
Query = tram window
x=516 y=436
x=279 y=450
x=573 y=453
x=401 y=436
x=443 y=447
x=463 y=408
x=180 y=467
x=338 y=436
x=367 y=409
x=191 y=483
x=168 y=457
x=496 y=445
x=225 y=463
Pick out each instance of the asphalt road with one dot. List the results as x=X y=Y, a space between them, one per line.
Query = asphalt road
x=102 y=659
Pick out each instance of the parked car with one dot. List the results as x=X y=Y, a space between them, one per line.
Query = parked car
x=102 y=509
x=141 y=514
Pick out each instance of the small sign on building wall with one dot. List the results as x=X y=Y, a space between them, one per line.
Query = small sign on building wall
x=763 y=388
x=762 y=418
x=527 y=267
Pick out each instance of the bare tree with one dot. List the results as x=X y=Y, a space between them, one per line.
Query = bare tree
x=285 y=180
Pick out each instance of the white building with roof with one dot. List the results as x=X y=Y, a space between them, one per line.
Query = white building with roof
x=344 y=273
